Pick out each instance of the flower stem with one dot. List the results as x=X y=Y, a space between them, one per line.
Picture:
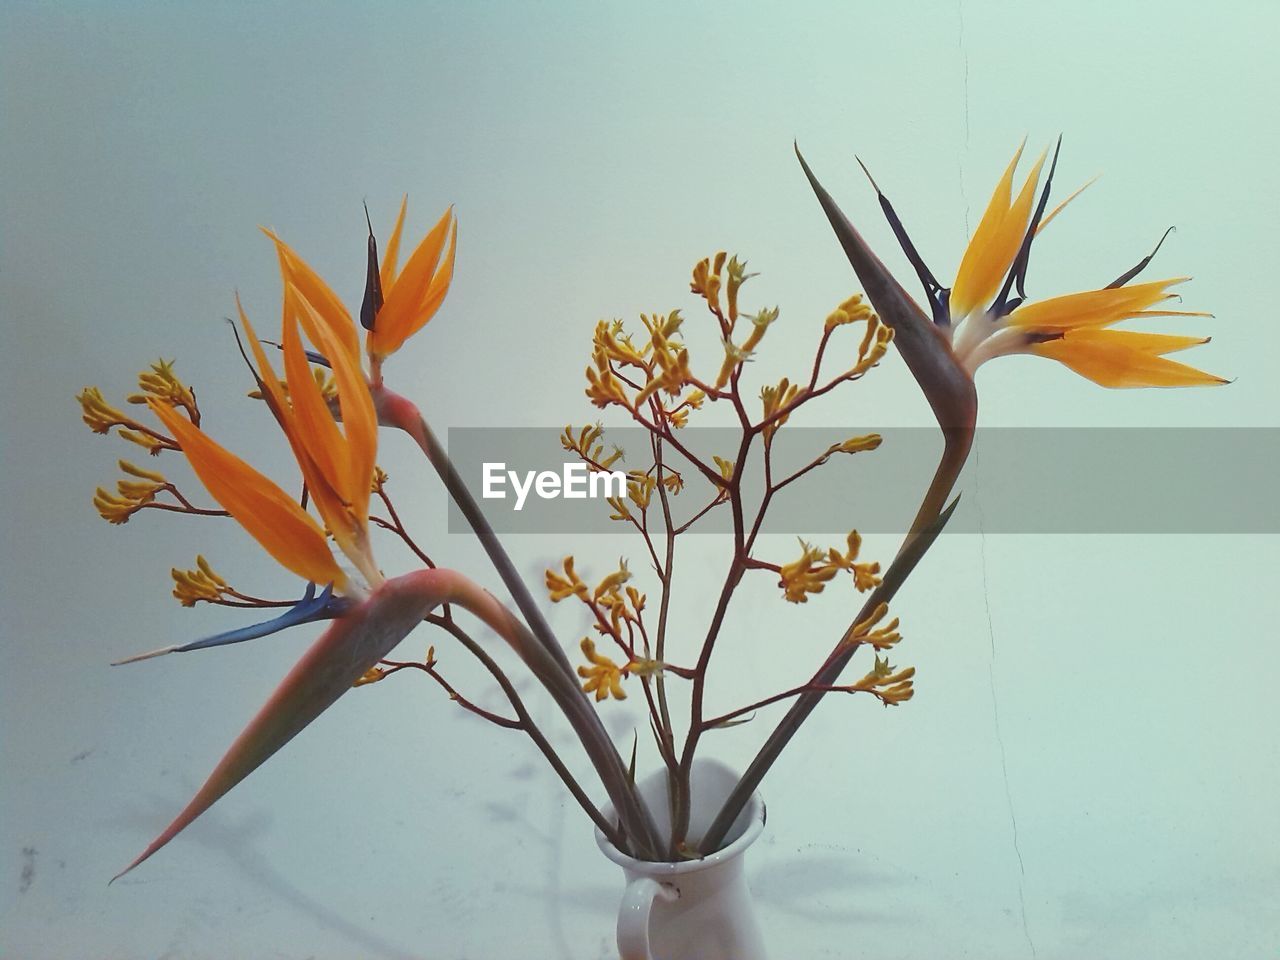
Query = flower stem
x=536 y=644
x=532 y=729
x=925 y=530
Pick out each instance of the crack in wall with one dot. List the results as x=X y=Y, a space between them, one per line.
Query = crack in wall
x=995 y=712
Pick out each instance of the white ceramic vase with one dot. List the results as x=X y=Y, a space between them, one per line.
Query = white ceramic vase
x=695 y=909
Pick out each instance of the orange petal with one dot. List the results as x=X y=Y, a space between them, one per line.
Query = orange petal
x=1092 y=308
x=1155 y=344
x=359 y=424
x=266 y=373
x=403 y=301
x=995 y=242
x=315 y=425
x=318 y=294
x=391 y=255
x=1045 y=221
x=1115 y=361
x=265 y=511
x=439 y=287
x=1173 y=313
x=328 y=502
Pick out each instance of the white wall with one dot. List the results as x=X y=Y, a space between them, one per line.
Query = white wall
x=1113 y=696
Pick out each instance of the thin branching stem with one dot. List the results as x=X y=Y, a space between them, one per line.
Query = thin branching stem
x=681 y=800
x=395 y=666
x=530 y=727
x=810 y=687
x=664 y=605
x=914 y=547
x=179 y=508
x=541 y=652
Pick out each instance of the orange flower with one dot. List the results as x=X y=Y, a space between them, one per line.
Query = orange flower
x=995 y=242
x=270 y=515
x=398 y=303
x=337 y=464
x=412 y=296
x=985 y=313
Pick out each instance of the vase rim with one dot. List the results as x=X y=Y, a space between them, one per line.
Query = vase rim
x=754 y=811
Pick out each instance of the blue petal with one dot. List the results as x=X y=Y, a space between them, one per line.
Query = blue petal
x=316 y=358
x=310 y=608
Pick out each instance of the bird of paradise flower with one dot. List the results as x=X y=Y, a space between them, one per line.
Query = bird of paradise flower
x=335 y=451
x=330 y=422
x=983 y=315
x=986 y=312
x=331 y=429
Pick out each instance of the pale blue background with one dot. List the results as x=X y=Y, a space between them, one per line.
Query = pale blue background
x=1111 y=701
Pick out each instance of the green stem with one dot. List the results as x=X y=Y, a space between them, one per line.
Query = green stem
x=929 y=522
x=532 y=729
x=539 y=650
